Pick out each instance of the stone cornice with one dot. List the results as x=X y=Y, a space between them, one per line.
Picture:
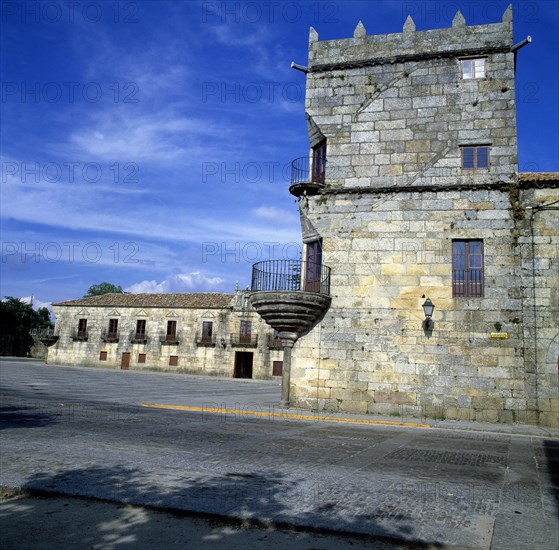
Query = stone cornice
x=498 y=186
x=360 y=63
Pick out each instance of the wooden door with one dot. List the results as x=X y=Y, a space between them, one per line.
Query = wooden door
x=125 y=360
x=313 y=268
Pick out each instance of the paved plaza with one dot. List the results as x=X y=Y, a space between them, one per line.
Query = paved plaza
x=89 y=433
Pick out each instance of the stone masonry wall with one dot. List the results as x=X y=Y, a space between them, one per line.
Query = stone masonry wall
x=539 y=244
x=400 y=121
x=387 y=255
x=194 y=358
x=395 y=111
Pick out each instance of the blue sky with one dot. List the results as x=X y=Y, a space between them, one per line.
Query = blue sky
x=148 y=143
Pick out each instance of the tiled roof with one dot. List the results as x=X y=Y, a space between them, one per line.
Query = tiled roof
x=191 y=300
x=538 y=176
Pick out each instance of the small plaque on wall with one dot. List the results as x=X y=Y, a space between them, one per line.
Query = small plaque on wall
x=499 y=335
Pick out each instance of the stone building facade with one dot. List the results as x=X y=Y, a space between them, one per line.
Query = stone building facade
x=412 y=191
x=197 y=333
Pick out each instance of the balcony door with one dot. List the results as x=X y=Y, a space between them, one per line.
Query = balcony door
x=245 y=332
x=171 y=335
x=313 y=268
x=207 y=331
x=319 y=162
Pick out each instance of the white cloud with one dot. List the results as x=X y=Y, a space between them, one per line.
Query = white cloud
x=142 y=137
x=276 y=215
x=36 y=303
x=181 y=282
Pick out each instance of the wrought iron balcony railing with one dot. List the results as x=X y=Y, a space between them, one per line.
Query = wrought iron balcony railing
x=468 y=282
x=80 y=335
x=138 y=337
x=42 y=332
x=170 y=339
x=205 y=340
x=45 y=335
x=109 y=336
x=244 y=340
x=308 y=170
x=290 y=275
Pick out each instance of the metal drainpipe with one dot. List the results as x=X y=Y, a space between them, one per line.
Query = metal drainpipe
x=524 y=42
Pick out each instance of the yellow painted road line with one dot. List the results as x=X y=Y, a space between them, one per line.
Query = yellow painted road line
x=284 y=415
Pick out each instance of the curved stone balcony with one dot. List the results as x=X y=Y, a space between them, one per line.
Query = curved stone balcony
x=307 y=176
x=290 y=295
x=45 y=335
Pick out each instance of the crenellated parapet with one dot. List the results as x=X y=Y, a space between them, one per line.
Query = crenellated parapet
x=363 y=49
x=414 y=108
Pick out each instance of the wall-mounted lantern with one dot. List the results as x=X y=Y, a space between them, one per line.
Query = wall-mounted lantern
x=428 y=308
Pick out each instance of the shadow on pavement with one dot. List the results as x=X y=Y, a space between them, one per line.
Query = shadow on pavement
x=22 y=417
x=551 y=450
x=260 y=499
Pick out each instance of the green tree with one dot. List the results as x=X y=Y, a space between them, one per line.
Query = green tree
x=103 y=288
x=42 y=318
x=16 y=319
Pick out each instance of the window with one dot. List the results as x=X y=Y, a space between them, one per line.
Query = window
x=102 y=356
x=141 y=358
x=319 y=162
x=171 y=331
x=113 y=329
x=173 y=359
x=467 y=268
x=473 y=68
x=277 y=368
x=245 y=332
x=82 y=328
x=207 y=330
x=475 y=157
x=140 y=330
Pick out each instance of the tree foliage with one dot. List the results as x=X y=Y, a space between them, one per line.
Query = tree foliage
x=17 y=319
x=103 y=288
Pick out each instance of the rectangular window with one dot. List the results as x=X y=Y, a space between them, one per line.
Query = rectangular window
x=82 y=328
x=319 y=162
x=113 y=329
x=102 y=356
x=141 y=358
x=207 y=330
x=475 y=157
x=140 y=329
x=173 y=360
x=473 y=68
x=277 y=368
x=171 y=331
x=245 y=332
x=467 y=268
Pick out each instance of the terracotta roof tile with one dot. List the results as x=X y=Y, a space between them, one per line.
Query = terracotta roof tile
x=191 y=300
x=538 y=176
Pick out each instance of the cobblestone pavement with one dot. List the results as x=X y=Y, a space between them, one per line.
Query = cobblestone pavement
x=80 y=431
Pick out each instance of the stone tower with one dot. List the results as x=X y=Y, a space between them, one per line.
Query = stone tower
x=411 y=192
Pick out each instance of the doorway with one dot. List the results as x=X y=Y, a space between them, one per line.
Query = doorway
x=243 y=364
x=314 y=266
x=125 y=361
